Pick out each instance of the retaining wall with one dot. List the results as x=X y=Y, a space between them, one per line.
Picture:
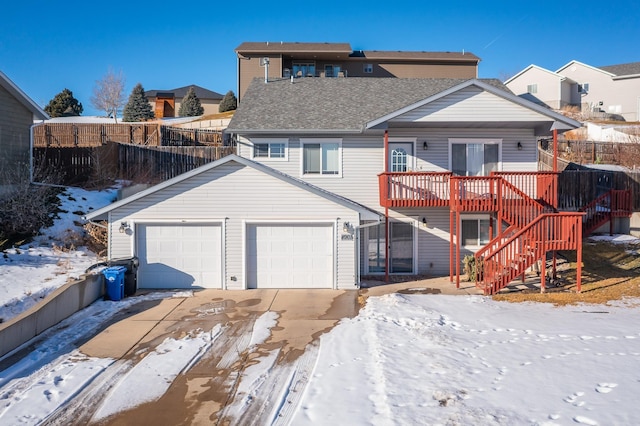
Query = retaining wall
x=57 y=306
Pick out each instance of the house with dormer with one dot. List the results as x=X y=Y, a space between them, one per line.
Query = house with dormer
x=375 y=176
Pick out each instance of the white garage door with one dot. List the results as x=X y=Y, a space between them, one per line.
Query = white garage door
x=179 y=256
x=290 y=256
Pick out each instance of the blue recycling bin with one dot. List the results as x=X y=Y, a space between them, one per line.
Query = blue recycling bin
x=114 y=280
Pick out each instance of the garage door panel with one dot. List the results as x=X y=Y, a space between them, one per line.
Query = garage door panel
x=179 y=256
x=290 y=255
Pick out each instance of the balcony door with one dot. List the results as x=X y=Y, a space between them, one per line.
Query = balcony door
x=401 y=156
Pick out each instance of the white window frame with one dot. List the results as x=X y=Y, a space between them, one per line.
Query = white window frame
x=367 y=68
x=453 y=141
x=321 y=141
x=532 y=88
x=270 y=142
x=477 y=218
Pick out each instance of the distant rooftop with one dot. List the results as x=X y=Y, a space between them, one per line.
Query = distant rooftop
x=180 y=92
x=623 y=69
x=345 y=48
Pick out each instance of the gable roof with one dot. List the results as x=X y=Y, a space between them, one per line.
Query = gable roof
x=180 y=93
x=534 y=67
x=574 y=62
x=330 y=105
x=367 y=213
x=632 y=68
x=349 y=105
x=16 y=92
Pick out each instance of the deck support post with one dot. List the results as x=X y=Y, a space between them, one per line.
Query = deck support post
x=386 y=211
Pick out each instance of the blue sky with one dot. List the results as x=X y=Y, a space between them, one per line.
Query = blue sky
x=45 y=48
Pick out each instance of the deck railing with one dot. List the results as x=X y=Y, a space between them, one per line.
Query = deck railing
x=497 y=267
x=414 y=189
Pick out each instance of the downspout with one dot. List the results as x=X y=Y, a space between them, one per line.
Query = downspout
x=386 y=210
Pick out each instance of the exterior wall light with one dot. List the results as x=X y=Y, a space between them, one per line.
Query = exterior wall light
x=519 y=146
x=425 y=146
x=123 y=227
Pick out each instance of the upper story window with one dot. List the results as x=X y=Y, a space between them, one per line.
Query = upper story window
x=532 y=88
x=321 y=157
x=304 y=69
x=474 y=157
x=269 y=149
x=367 y=68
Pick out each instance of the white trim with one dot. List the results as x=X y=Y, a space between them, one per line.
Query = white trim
x=305 y=141
x=269 y=141
x=245 y=247
x=584 y=65
x=483 y=141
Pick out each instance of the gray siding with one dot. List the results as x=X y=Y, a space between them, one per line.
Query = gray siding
x=234 y=195
x=15 y=124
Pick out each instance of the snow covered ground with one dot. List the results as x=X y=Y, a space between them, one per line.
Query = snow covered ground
x=30 y=272
x=405 y=359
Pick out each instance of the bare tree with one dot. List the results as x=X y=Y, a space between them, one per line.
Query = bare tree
x=108 y=94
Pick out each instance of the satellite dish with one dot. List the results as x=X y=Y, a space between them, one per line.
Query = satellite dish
x=264 y=61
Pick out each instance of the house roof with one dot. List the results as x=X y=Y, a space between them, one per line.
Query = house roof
x=367 y=213
x=288 y=47
x=180 y=93
x=574 y=62
x=379 y=55
x=631 y=68
x=535 y=67
x=347 y=105
x=16 y=92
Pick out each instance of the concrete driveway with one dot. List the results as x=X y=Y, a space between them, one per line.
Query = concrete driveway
x=211 y=390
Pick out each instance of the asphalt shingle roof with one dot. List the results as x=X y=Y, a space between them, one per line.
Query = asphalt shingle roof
x=327 y=104
x=180 y=92
x=623 y=69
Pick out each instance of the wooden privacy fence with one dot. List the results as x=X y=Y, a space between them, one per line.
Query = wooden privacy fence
x=159 y=163
x=577 y=188
x=88 y=135
x=148 y=164
x=74 y=135
x=591 y=152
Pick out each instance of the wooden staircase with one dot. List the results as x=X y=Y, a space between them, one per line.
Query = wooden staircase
x=534 y=227
x=611 y=204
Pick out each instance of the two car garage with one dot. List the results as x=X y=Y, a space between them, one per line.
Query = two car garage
x=278 y=255
x=237 y=224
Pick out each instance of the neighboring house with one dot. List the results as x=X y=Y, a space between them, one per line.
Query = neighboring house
x=17 y=114
x=318 y=188
x=284 y=60
x=613 y=89
x=166 y=103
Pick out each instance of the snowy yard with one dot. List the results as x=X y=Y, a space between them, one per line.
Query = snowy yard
x=405 y=359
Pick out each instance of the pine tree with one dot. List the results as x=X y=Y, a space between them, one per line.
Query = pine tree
x=138 y=107
x=64 y=105
x=190 y=106
x=228 y=103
